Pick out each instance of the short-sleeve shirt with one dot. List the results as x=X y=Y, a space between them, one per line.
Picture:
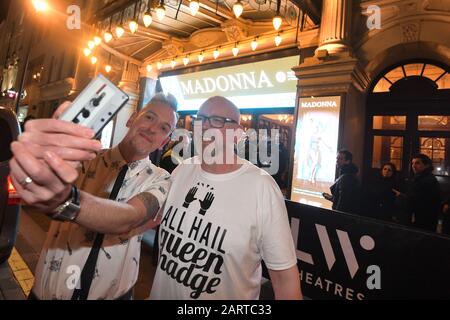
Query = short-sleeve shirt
x=67 y=245
x=215 y=231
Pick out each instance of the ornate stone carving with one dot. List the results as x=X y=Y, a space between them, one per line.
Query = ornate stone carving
x=234 y=30
x=206 y=37
x=173 y=47
x=410 y=32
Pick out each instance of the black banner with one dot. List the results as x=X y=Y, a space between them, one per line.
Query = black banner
x=343 y=256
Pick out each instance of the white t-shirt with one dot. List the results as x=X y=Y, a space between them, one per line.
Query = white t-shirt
x=68 y=245
x=216 y=252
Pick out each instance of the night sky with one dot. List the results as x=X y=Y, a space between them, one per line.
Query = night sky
x=4 y=5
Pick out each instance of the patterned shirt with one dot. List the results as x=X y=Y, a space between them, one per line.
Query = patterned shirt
x=68 y=244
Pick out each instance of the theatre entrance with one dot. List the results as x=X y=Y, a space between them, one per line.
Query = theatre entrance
x=408 y=112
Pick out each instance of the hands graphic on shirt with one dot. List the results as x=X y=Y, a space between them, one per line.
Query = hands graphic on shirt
x=206 y=203
x=190 y=197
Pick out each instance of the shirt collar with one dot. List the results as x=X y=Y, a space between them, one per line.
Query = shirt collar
x=114 y=158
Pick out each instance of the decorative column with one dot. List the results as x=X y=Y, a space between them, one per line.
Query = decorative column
x=333 y=72
x=335 y=26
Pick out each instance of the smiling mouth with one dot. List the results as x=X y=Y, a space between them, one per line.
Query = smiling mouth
x=145 y=137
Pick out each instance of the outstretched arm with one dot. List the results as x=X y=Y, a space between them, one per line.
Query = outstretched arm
x=52 y=182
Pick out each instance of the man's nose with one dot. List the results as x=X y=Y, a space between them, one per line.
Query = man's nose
x=152 y=126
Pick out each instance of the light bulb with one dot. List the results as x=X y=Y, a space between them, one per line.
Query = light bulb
x=147 y=19
x=173 y=63
x=149 y=68
x=108 y=68
x=119 y=31
x=254 y=44
x=216 y=54
x=40 y=5
x=194 y=6
x=87 y=52
x=97 y=40
x=107 y=36
x=277 y=22
x=160 y=12
x=93 y=60
x=91 y=44
x=186 y=60
x=238 y=8
x=159 y=65
x=201 y=57
x=133 y=26
x=278 y=40
x=235 y=51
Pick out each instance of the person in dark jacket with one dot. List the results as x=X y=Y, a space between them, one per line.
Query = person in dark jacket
x=381 y=193
x=345 y=192
x=423 y=197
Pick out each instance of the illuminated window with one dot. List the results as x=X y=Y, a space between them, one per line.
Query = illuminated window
x=387 y=149
x=440 y=76
x=434 y=123
x=437 y=150
x=389 y=122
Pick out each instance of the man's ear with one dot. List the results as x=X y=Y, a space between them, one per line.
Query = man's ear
x=131 y=119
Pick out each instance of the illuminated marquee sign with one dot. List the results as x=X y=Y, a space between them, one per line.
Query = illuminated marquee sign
x=265 y=84
x=315 y=150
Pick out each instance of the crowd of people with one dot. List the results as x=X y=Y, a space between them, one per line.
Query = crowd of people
x=415 y=202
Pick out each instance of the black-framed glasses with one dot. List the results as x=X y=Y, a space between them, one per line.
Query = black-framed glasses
x=214 y=121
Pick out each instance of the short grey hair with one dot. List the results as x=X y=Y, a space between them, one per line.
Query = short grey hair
x=166 y=98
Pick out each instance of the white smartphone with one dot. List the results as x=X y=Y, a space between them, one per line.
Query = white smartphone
x=96 y=105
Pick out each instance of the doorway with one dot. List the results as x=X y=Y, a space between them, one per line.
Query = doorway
x=408 y=112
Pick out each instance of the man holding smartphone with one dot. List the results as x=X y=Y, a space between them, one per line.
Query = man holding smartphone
x=93 y=248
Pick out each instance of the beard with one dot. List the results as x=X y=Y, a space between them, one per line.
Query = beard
x=142 y=145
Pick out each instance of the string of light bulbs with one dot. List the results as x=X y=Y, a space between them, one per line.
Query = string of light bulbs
x=160 y=12
x=216 y=52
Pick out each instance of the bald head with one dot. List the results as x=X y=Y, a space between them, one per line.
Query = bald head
x=220 y=106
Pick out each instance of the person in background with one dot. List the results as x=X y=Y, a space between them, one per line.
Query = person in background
x=422 y=200
x=381 y=194
x=345 y=192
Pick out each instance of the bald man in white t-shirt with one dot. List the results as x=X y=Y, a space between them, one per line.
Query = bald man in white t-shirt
x=221 y=219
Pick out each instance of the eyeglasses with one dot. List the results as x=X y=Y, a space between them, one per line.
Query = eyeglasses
x=214 y=121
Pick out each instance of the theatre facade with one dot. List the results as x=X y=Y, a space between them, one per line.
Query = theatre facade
x=368 y=76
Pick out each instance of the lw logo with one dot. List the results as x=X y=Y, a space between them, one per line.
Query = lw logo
x=366 y=242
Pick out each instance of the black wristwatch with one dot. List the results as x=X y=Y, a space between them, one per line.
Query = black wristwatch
x=70 y=209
